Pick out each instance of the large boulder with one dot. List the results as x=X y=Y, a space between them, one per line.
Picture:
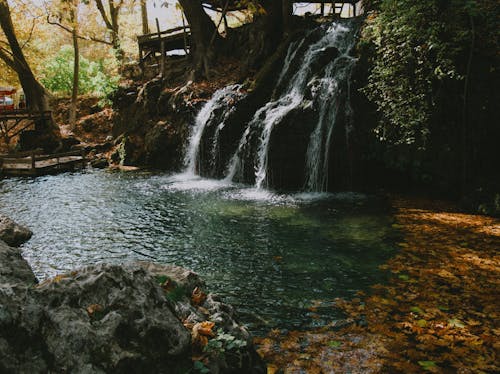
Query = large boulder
x=138 y=317
x=163 y=146
x=13 y=268
x=12 y=233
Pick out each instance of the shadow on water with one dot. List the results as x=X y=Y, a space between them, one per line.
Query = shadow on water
x=273 y=256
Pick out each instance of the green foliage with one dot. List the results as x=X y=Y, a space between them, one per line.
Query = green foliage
x=417 y=46
x=427 y=365
x=200 y=367
x=57 y=75
x=161 y=279
x=176 y=294
x=223 y=343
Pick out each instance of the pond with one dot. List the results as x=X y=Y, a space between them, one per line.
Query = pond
x=273 y=256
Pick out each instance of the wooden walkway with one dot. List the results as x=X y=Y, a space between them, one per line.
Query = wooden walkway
x=33 y=163
x=164 y=41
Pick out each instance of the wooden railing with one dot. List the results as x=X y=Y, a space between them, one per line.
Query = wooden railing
x=162 y=34
x=31 y=157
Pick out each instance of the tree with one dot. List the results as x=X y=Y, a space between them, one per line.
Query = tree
x=36 y=95
x=111 y=22
x=144 y=17
x=37 y=98
x=204 y=37
x=206 y=41
x=73 y=15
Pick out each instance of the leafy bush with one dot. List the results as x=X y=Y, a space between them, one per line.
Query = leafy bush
x=94 y=76
x=418 y=46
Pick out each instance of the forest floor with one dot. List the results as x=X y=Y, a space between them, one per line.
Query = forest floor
x=439 y=312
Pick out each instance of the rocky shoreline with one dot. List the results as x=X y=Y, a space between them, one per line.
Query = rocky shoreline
x=137 y=317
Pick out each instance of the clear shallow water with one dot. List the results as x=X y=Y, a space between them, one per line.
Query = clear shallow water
x=272 y=256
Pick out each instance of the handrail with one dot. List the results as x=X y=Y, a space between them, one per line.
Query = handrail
x=30 y=157
x=59 y=155
x=22 y=154
x=157 y=35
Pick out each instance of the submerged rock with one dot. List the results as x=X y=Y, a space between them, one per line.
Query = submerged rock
x=137 y=317
x=12 y=233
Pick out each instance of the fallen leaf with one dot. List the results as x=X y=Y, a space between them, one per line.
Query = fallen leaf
x=427 y=365
x=456 y=323
x=416 y=309
x=198 y=297
x=93 y=308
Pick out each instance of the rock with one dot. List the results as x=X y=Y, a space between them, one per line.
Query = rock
x=163 y=144
x=327 y=55
x=13 y=268
x=12 y=233
x=100 y=319
x=104 y=147
x=68 y=142
x=124 y=152
x=100 y=163
x=183 y=277
x=115 y=318
x=87 y=124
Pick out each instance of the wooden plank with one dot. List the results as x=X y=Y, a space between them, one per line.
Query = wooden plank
x=17 y=161
x=33 y=165
x=56 y=155
x=22 y=154
x=162 y=34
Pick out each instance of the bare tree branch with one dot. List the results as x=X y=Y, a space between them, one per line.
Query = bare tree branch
x=33 y=24
x=105 y=18
x=6 y=56
x=83 y=37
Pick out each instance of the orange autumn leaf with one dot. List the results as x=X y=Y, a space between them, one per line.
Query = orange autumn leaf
x=198 y=297
x=93 y=308
x=200 y=333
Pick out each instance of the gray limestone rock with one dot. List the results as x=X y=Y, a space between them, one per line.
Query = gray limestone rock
x=12 y=233
x=111 y=319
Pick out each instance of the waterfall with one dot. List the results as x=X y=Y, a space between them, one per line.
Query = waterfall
x=332 y=92
x=221 y=100
x=314 y=75
x=235 y=164
x=288 y=140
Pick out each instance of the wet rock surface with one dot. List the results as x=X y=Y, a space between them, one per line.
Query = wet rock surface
x=138 y=317
x=12 y=233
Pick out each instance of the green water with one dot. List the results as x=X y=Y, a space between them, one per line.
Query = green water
x=270 y=255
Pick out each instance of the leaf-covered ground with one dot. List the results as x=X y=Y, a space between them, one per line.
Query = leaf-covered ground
x=438 y=313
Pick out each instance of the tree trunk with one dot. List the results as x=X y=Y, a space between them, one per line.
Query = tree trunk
x=112 y=25
x=204 y=37
x=144 y=17
x=36 y=96
x=287 y=12
x=37 y=99
x=76 y=66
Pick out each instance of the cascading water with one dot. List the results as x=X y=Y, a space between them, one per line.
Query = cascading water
x=220 y=100
x=311 y=96
x=329 y=90
x=322 y=85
